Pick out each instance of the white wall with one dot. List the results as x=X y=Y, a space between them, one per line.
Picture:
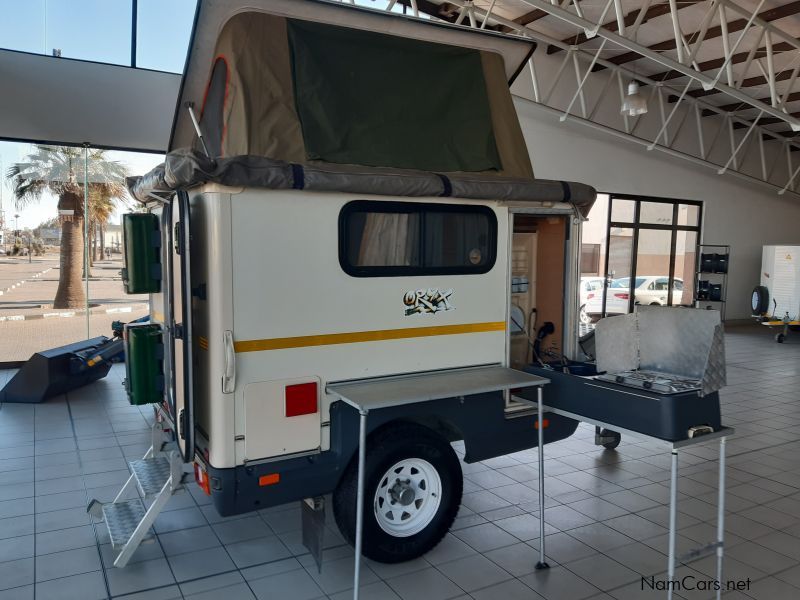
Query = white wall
x=737 y=212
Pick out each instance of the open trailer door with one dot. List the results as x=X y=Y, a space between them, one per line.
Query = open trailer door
x=183 y=344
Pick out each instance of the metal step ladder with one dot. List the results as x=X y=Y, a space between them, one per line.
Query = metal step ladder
x=159 y=475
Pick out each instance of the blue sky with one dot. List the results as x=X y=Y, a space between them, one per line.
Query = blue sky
x=98 y=30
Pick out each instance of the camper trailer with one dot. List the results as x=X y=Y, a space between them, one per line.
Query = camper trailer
x=348 y=197
x=780 y=283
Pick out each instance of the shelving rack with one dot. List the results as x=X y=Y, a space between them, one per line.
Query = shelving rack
x=712 y=276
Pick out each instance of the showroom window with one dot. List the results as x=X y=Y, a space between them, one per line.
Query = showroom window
x=655 y=241
x=637 y=250
x=410 y=238
x=590 y=259
x=61 y=245
x=150 y=34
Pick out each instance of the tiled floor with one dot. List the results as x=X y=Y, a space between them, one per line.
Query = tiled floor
x=606 y=514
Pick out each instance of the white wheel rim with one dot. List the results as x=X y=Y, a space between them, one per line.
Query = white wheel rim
x=584 y=316
x=396 y=511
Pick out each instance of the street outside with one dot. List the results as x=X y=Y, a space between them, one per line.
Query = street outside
x=29 y=324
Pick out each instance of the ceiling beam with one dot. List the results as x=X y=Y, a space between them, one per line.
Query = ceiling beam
x=652 y=12
x=716 y=63
x=737 y=106
x=444 y=11
x=793 y=97
x=527 y=19
x=765 y=121
x=663 y=59
x=773 y=14
x=531 y=16
x=749 y=82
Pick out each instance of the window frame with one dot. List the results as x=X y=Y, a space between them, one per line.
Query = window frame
x=637 y=226
x=382 y=206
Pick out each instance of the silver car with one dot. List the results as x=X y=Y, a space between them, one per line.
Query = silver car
x=648 y=289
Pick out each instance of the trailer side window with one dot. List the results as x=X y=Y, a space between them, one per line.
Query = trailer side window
x=383 y=239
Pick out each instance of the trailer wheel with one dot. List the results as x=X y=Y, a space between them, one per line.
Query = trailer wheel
x=759 y=300
x=413 y=485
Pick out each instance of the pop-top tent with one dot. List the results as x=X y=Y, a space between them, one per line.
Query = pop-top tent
x=306 y=94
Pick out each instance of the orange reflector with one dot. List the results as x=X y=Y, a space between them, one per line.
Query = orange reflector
x=545 y=423
x=270 y=479
x=201 y=478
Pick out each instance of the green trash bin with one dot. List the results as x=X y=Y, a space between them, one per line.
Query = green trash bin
x=142 y=238
x=144 y=363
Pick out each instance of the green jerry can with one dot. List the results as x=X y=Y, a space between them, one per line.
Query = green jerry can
x=144 y=359
x=142 y=239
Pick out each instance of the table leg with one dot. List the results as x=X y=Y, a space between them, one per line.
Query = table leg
x=542 y=564
x=721 y=515
x=673 y=517
x=362 y=442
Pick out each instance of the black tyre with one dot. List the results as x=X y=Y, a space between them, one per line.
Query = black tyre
x=413 y=485
x=780 y=338
x=759 y=301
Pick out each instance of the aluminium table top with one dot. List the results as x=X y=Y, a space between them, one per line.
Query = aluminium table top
x=385 y=392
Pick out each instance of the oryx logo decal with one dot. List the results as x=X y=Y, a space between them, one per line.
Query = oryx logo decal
x=428 y=301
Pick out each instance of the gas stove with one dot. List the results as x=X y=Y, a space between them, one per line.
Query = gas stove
x=654 y=381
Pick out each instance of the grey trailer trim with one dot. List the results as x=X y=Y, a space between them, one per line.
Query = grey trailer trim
x=185 y=168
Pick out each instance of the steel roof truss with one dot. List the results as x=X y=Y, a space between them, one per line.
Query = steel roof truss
x=705 y=80
x=558 y=92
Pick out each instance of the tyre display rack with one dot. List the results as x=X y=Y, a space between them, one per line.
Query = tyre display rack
x=713 y=272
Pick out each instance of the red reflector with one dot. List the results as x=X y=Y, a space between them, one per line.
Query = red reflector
x=622 y=296
x=589 y=296
x=201 y=477
x=301 y=399
x=270 y=479
x=545 y=423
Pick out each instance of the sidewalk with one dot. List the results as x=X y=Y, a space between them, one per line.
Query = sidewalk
x=29 y=323
x=16 y=270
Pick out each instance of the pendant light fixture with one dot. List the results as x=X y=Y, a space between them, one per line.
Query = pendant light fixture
x=634 y=103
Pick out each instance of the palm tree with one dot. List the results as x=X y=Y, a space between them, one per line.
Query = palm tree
x=102 y=203
x=60 y=171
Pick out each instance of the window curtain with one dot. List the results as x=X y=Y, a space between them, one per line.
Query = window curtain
x=389 y=239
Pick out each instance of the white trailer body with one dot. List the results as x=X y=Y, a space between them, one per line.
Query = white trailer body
x=278 y=309
x=780 y=274
x=312 y=236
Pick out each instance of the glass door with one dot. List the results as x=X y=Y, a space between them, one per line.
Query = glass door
x=652 y=245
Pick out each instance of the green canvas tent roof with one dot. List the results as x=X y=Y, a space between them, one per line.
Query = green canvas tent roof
x=305 y=81
x=306 y=94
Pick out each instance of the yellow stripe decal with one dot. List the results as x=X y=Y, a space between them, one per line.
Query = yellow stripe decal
x=328 y=339
x=203 y=343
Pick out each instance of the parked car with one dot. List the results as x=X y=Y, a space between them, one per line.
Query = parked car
x=648 y=289
x=655 y=289
x=591 y=287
